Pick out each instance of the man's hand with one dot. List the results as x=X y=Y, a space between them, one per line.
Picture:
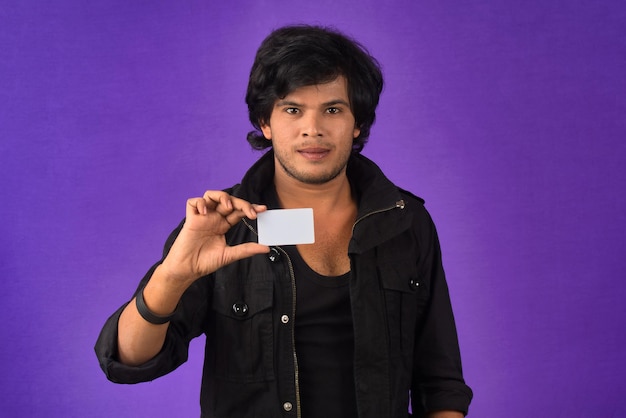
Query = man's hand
x=201 y=248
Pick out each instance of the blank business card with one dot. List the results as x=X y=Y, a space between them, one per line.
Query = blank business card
x=286 y=227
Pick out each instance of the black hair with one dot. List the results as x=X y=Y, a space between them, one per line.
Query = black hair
x=302 y=55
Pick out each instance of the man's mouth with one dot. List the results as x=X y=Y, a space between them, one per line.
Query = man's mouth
x=314 y=154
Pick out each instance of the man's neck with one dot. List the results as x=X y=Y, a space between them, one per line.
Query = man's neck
x=323 y=198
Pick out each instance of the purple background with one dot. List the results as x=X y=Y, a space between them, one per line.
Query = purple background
x=508 y=117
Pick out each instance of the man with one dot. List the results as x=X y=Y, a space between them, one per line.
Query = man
x=359 y=323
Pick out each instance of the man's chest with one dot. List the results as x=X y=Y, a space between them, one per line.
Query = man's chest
x=328 y=256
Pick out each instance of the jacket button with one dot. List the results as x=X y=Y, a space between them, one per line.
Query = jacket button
x=287 y=406
x=240 y=309
x=284 y=319
x=413 y=284
x=274 y=255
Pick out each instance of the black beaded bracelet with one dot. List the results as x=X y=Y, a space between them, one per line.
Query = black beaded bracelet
x=149 y=316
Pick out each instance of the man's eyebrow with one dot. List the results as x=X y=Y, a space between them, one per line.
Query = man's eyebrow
x=336 y=102
x=287 y=103
x=326 y=104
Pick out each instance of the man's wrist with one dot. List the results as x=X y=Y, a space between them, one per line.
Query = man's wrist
x=168 y=278
x=147 y=314
x=161 y=295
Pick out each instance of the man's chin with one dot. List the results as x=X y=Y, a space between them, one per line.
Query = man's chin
x=315 y=179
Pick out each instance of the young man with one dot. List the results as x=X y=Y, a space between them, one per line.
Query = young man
x=358 y=324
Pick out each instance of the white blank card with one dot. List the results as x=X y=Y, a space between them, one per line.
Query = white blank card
x=286 y=227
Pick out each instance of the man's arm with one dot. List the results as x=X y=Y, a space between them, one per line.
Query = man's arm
x=437 y=375
x=199 y=249
x=138 y=339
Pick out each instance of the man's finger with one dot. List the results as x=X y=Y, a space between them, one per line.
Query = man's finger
x=216 y=198
x=224 y=204
x=250 y=210
x=234 y=217
x=195 y=206
x=244 y=250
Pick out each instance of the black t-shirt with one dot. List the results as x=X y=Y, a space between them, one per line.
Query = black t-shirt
x=324 y=342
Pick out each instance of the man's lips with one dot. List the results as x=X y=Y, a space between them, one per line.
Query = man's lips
x=314 y=153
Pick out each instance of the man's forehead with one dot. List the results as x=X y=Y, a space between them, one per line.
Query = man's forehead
x=336 y=87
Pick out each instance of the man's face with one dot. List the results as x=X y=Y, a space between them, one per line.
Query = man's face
x=312 y=129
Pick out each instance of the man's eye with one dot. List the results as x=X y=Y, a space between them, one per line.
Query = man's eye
x=333 y=110
x=292 y=110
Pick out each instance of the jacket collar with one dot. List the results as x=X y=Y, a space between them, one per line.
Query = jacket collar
x=379 y=201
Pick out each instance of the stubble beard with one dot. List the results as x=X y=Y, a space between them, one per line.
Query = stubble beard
x=313 y=179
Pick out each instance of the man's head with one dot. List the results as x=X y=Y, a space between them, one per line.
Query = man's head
x=298 y=56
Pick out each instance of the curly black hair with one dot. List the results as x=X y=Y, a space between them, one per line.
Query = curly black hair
x=303 y=55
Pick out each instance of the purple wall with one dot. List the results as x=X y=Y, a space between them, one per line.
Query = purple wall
x=508 y=117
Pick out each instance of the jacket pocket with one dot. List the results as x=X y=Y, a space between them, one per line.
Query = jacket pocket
x=406 y=297
x=243 y=330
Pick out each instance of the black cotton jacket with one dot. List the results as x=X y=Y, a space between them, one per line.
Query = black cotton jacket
x=404 y=331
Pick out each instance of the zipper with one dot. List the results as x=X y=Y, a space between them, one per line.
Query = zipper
x=293 y=332
x=292 y=274
x=400 y=204
x=249 y=226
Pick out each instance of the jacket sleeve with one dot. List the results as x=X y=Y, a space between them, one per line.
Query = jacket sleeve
x=438 y=382
x=186 y=324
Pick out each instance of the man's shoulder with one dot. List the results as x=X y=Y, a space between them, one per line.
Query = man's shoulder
x=416 y=207
x=407 y=195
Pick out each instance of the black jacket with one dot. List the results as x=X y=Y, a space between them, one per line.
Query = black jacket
x=404 y=331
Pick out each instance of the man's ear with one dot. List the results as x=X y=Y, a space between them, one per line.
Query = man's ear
x=267 y=131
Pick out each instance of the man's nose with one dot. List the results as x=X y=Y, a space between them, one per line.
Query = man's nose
x=312 y=125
